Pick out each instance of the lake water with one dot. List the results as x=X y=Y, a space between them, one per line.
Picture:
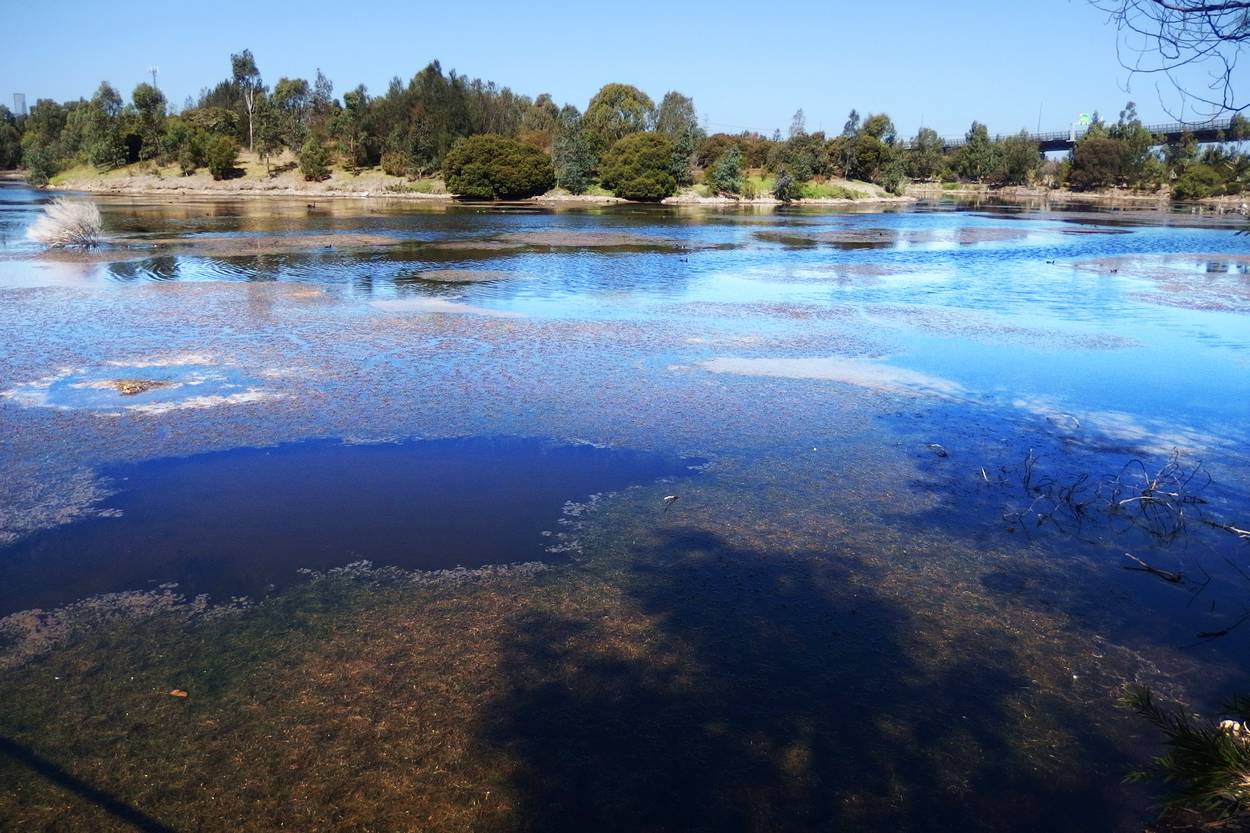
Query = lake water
x=919 y=460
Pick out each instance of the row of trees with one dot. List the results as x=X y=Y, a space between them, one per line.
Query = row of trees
x=1123 y=154
x=623 y=140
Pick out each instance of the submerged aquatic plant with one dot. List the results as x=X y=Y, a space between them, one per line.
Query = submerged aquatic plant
x=66 y=224
x=1207 y=766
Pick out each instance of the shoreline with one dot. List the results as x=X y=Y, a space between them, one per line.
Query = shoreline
x=1159 y=200
x=375 y=187
x=229 y=188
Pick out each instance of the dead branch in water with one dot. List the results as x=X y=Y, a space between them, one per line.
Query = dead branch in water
x=1143 y=567
x=1156 y=502
x=1243 y=534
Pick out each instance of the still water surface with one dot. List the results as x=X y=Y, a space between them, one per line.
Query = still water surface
x=905 y=552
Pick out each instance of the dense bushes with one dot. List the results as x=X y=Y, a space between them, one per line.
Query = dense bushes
x=725 y=176
x=314 y=159
x=221 y=155
x=1096 y=163
x=639 y=167
x=496 y=167
x=1198 y=182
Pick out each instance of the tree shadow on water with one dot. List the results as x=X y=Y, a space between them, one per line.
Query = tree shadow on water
x=770 y=692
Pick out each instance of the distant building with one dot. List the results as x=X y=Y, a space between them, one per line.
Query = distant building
x=19 y=105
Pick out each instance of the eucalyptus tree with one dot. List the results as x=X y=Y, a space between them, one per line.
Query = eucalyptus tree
x=616 y=111
x=149 y=104
x=246 y=79
x=678 y=120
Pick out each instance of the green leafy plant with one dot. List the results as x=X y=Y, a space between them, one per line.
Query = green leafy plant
x=1206 y=768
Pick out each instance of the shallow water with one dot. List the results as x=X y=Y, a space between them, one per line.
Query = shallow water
x=243 y=522
x=897 y=592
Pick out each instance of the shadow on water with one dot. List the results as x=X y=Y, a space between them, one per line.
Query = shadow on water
x=792 y=699
x=242 y=522
x=27 y=757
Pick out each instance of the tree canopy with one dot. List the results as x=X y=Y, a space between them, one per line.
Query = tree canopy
x=639 y=167
x=497 y=167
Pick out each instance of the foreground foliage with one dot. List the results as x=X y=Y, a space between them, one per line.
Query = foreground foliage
x=1207 y=767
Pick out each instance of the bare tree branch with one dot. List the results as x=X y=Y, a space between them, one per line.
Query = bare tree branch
x=1194 y=44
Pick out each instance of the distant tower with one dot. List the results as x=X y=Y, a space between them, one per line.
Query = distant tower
x=19 y=105
x=154 y=70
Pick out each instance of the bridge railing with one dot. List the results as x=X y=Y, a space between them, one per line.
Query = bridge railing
x=1207 y=128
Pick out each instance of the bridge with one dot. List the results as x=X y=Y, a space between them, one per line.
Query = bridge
x=1219 y=130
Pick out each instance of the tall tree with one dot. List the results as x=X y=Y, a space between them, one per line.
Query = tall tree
x=616 y=111
x=269 y=134
x=852 y=124
x=678 y=121
x=924 y=158
x=676 y=115
x=247 y=79
x=1017 y=159
x=292 y=99
x=102 y=142
x=149 y=104
x=573 y=153
x=975 y=160
x=798 y=124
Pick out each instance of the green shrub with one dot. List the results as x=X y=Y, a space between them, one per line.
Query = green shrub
x=395 y=164
x=639 y=167
x=1198 y=182
x=786 y=188
x=314 y=159
x=725 y=177
x=1207 y=766
x=40 y=164
x=1096 y=163
x=221 y=154
x=187 y=161
x=496 y=167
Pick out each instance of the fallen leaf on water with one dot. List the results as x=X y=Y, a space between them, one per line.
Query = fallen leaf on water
x=177 y=692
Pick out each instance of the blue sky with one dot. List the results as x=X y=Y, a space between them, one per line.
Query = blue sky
x=746 y=65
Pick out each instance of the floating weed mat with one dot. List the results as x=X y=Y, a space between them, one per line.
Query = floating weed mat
x=337 y=706
x=859 y=238
x=463 y=275
x=215 y=245
x=745 y=653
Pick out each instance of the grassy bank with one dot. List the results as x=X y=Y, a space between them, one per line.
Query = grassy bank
x=281 y=176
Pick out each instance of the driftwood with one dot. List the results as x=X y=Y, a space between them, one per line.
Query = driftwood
x=1143 y=567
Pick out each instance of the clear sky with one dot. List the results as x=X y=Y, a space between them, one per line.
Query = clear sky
x=746 y=65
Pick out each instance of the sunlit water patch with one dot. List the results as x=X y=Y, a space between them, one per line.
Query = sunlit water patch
x=143 y=387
